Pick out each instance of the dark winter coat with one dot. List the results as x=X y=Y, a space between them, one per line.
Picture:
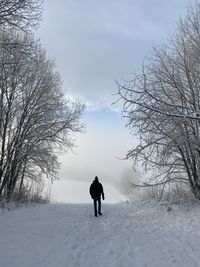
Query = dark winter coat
x=96 y=190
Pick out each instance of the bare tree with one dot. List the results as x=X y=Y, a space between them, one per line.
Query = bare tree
x=20 y=14
x=162 y=107
x=36 y=119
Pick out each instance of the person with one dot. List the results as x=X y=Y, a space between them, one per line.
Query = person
x=96 y=191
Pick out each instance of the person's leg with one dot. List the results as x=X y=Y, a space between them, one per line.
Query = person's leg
x=99 y=206
x=95 y=207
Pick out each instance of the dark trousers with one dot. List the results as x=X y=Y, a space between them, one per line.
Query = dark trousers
x=97 y=200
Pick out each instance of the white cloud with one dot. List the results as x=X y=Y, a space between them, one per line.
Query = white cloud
x=95 y=42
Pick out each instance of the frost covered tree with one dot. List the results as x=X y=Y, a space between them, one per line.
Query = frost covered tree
x=36 y=119
x=162 y=107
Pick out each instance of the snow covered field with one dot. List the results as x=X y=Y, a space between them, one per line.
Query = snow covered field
x=141 y=234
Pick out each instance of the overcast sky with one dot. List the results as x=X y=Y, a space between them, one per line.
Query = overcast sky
x=95 y=43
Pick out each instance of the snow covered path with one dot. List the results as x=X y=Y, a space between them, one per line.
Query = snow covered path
x=127 y=235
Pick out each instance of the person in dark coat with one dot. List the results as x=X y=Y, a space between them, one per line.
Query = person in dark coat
x=96 y=191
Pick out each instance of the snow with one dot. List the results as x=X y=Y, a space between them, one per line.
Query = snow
x=139 y=234
x=69 y=191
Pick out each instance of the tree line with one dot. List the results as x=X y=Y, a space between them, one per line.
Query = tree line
x=161 y=106
x=36 y=119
